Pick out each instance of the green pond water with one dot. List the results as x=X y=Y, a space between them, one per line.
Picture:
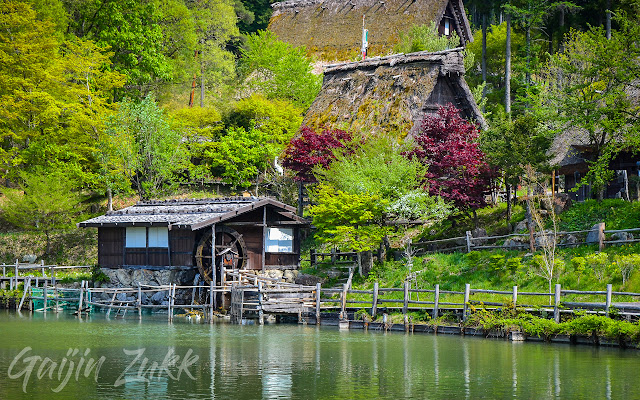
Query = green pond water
x=151 y=359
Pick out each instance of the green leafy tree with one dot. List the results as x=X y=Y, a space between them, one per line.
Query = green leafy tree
x=587 y=89
x=241 y=156
x=348 y=221
x=278 y=70
x=140 y=145
x=45 y=202
x=524 y=136
x=53 y=96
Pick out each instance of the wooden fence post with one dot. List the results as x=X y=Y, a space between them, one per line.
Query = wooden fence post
x=4 y=271
x=556 y=304
x=17 y=273
x=436 y=300
x=601 y=236
x=374 y=301
x=467 y=292
x=318 y=302
x=515 y=296
x=469 y=244
x=42 y=267
x=53 y=275
x=608 y=303
x=333 y=256
x=405 y=306
x=312 y=257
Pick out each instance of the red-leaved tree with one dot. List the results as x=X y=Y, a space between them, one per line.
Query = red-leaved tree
x=311 y=149
x=456 y=168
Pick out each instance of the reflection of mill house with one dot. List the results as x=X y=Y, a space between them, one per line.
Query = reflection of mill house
x=392 y=92
x=187 y=235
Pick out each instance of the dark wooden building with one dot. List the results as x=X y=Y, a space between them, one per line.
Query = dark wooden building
x=238 y=233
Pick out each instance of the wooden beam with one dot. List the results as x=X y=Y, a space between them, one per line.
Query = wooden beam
x=264 y=236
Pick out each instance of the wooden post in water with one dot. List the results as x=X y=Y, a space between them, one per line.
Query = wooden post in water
x=318 y=302
x=139 y=301
x=465 y=309
x=260 y=310
x=556 y=303
x=27 y=284
x=343 y=301
x=405 y=306
x=436 y=300
x=515 y=296
x=81 y=297
x=374 y=302
x=55 y=296
x=44 y=296
x=608 y=303
x=212 y=293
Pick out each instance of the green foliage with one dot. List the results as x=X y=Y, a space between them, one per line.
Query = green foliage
x=378 y=166
x=426 y=38
x=45 y=202
x=240 y=156
x=97 y=275
x=53 y=96
x=278 y=69
x=278 y=118
x=615 y=213
x=585 y=88
x=348 y=221
x=141 y=146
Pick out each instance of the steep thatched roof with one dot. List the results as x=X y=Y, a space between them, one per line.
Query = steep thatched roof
x=332 y=29
x=391 y=93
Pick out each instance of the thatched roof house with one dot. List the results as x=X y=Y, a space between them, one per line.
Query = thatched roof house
x=392 y=94
x=332 y=29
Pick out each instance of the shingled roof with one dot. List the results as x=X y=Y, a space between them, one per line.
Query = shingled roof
x=332 y=29
x=392 y=93
x=192 y=213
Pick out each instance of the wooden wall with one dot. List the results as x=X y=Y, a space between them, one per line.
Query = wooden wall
x=112 y=253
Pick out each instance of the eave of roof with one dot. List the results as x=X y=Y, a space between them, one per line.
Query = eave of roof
x=190 y=214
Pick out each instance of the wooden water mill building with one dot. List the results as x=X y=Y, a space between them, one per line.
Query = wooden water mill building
x=211 y=235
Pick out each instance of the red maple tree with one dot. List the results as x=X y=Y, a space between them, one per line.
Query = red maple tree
x=311 y=149
x=457 y=171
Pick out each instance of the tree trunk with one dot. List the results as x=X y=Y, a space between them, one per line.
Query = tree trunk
x=202 y=77
x=528 y=50
x=561 y=35
x=484 y=51
x=109 y=200
x=507 y=69
x=508 y=190
x=608 y=20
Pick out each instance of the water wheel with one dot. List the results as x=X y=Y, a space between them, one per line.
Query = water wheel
x=231 y=252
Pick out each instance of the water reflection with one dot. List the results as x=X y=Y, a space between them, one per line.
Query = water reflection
x=298 y=362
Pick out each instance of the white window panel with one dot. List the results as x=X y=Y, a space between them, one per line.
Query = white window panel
x=159 y=237
x=447 y=27
x=279 y=240
x=136 y=236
